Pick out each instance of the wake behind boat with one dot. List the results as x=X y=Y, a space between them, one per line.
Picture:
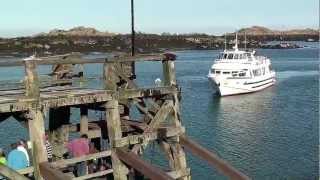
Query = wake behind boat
x=238 y=72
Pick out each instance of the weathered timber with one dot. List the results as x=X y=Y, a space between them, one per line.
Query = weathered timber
x=154 y=123
x=94 y=175
x=113 y=121
x=50 y=173
x=66 y=162
x=36 y=122
x=77 y=59
x=174 y=151
x=221 y=165
x=27 y=170
x=84 y=125
x=10 y=173
x=144 y=167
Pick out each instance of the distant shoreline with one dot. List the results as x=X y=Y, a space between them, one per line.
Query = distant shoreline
x=86 y=40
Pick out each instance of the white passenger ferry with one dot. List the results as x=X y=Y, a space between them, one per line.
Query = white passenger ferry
x=238 y=72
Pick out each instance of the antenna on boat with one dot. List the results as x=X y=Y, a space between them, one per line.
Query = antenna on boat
x=225 y=41
x=245 y=40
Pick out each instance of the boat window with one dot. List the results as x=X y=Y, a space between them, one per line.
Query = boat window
x=242 y=74
x=244 y=56
x=212 y=71
x=230 y=56
x=218 y=72
x=270 y=67
x=263 y=71
x=240 y=56
x=236 y=56
x=234 y=73
x=225 y=56
x=256 y=72
x=226 y=72
x=248 y=55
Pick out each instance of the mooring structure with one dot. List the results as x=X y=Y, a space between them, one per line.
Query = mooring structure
x=34 y=101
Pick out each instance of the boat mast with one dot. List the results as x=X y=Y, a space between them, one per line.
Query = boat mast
x=245 y=40
x=225 y=41
x=236 y=43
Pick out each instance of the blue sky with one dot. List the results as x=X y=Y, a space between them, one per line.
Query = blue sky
x=27 y=17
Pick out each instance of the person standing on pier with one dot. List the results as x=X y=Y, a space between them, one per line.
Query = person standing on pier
x=79 y=147
x=16 y=158
x=22 y=146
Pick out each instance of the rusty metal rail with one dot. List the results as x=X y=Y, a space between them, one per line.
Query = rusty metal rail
x=142 y=166
x=221 y=165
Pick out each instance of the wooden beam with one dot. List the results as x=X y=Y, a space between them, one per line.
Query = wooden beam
x=84 y=126
x=155 y=121
x=37 y=137
x=94 y=175
x=27 y=170
x=215 y=161
x=66 y=162
x=115 y=133
x=142 y=166
x=10 y=173
x=76 y=58
x=175 y=152
x=32 y=81
x=50 y=173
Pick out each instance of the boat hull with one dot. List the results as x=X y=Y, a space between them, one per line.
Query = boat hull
x=230 y=87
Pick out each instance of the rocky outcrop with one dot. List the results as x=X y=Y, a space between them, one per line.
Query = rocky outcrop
x=259 y=30
x=78 y=31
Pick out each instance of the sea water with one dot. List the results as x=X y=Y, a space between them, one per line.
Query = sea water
x=271 y=134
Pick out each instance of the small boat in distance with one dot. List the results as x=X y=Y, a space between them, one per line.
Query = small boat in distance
x=238 y=72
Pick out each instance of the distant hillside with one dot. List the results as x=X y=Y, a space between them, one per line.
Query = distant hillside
x=259 y=30
x=78 y=31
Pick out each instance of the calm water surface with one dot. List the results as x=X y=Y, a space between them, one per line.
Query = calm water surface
x=272 y=134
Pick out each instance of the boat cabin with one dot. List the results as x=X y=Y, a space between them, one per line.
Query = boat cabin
x=233 y=55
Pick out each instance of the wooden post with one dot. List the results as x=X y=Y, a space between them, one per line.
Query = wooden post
x=113 y=122
x=174 y=151
x=36 y=115
x=84 y=127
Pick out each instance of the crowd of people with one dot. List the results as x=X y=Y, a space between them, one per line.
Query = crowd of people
x=18 y=157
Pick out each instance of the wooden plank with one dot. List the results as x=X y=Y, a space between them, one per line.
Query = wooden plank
x=50 y=173
x=142 y=166
x=75 y=58
x=66 y=162
x=94 y=175
x=27 y=170
x=146 y=92
x=179 y=174
x=10 y=173
x=215 y=161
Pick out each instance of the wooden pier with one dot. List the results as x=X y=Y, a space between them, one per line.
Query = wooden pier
x=32 y=102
